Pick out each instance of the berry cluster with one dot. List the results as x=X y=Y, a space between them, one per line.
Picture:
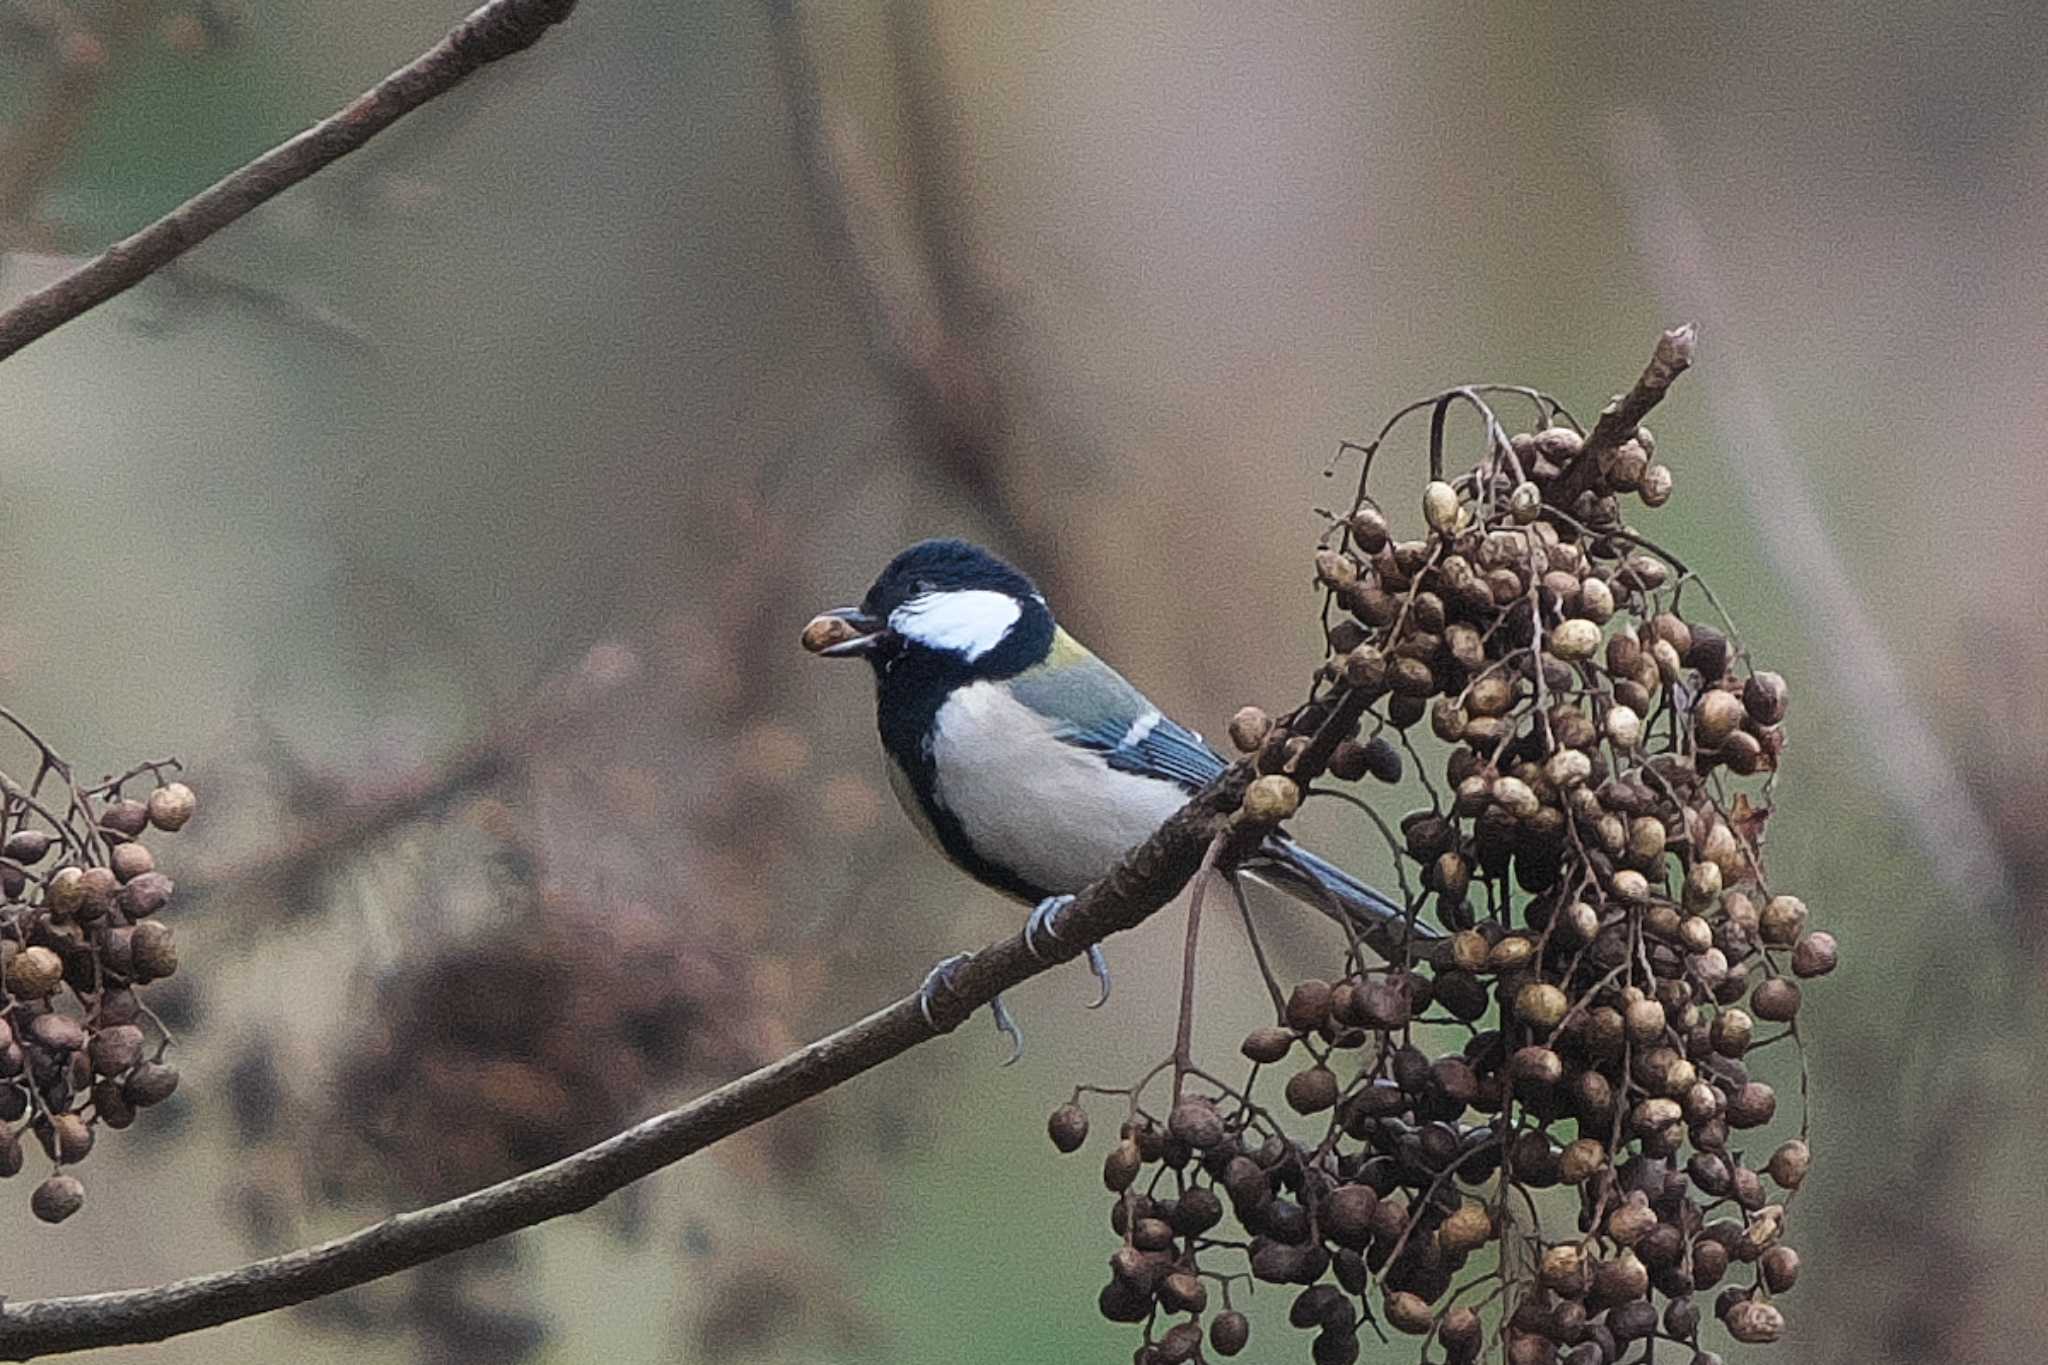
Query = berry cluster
x=80 y=936
x=1537 y=1138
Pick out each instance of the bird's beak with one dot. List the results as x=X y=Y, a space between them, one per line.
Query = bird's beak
x=842 y=632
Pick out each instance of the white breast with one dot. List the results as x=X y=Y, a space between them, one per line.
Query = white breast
x=1055 y=814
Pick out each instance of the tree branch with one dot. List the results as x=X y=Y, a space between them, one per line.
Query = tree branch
x=1146 y=879
x=493 y=31
x=1620 y=418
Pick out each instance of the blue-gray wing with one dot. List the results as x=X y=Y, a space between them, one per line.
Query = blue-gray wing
x=1093 y=706
x=1168 y=749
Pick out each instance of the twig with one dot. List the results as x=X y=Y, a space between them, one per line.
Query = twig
x=1184 y=1031
x=1143 y=881
x=1620 y=418
x=491 y=32
x=376 y=809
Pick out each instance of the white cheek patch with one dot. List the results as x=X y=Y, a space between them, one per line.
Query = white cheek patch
x=969 y=622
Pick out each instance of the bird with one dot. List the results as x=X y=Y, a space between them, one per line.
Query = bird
x=1033 y=765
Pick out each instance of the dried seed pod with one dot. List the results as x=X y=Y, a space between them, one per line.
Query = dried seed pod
x=1067 y=1127
x=34 y=973
x=1541 y=1005
x=1312 y=1090
x=1196 y=1122
x=1336 y=569
x=1308 y=1005
x=1230 y=1333
x=1366 y=667
x=1575 y=640
x=1789 y=1164
x=150 y=1083
x=126 y=817
x=1814 y=955
x=1782 y=921
x=26 y=846
x=65 y=891
x=1406 y=1312
x=1346 y=1215
x=1754 y=1323
x=1267 y=1045
x=129 y=861
x=171 y=806
x=1441 y=508
x=1271 y=799
x=1775 y=998
x=1764 y=696
x=152 y=950
x=1249 y=728
x=1525 y=504
x=1121 y=1166
x=1751 y=1105
x=57 y=1198
x=1467 y=1229
x=70 y=1139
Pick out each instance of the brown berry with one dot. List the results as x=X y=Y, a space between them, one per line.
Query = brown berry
x=1196 y=1122
x=1121 y=1166
x=150 y=1083
x=1790 y=1163
x=1249 y=728
x=1814 y=955
x=125 y=817
x=146 y=894
x=152 y=951
x=34 y=973
x=1312 y=1090
x=1230 y=1333
x=57 y=1198
x=1271 y=799
x=1068 y=1126
x=1754 y=1323
x=1408 y=1313
x=171 y=806
x=1775 y=998
x=1267 y=1045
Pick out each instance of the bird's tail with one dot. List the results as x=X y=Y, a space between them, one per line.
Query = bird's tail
x=1284 y=864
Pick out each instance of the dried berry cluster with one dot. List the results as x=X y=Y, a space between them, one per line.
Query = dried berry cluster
x=1538 y=1137
x=80 y=936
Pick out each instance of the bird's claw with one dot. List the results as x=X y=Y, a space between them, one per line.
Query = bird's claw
x=1043 y=923
x=940 y=978
x=1099 y=965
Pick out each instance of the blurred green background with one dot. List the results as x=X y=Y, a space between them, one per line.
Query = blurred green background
x=453 y=519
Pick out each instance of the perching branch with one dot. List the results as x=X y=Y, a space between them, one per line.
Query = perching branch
x=493 y=31
x=1146 y=879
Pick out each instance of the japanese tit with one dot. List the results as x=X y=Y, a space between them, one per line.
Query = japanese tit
x=1033 y=765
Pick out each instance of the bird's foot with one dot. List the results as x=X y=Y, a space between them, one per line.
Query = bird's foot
x=1043 y=923
x=940 y=978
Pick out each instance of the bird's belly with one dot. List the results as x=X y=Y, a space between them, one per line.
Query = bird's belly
x=1057 y=816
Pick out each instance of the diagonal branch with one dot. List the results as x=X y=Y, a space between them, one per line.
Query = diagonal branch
x=491 y=32
x=1145 y=880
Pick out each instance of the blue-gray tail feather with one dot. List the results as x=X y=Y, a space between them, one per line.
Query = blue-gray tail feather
x=1290 y=867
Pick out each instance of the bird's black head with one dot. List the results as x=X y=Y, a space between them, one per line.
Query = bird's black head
x=942 y=606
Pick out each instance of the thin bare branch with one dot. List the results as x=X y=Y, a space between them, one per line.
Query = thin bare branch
x=1145 y=880
x=491 y=32
x=1620 y=418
